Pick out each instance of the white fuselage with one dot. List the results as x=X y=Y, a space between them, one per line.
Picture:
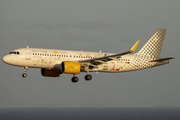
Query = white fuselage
x=52 y=59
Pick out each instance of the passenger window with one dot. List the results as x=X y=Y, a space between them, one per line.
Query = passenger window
x=18 y=53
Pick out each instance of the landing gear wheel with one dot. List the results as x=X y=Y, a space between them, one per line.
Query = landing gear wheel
x=24 y=75
x=88 y=77
x=75 y=79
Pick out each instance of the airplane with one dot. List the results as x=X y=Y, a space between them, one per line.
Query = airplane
x=55 y=62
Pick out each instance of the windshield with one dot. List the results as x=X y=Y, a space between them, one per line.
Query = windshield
x=14 y=52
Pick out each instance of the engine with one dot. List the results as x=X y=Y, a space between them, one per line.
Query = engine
x=50 y=73
x=69 y=67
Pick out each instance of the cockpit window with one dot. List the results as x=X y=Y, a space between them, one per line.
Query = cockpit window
x=14 y=52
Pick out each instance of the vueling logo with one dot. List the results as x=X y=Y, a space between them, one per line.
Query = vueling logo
x=55 y=52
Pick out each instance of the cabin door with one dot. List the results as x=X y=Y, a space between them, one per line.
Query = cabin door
x=28 y=54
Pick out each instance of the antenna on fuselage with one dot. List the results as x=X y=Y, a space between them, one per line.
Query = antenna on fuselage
x=28 y=46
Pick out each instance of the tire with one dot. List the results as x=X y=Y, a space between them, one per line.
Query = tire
x=24 y=75
x=75 y=79
x=88 y=77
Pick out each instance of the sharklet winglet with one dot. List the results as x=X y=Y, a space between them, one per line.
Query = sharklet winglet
x=135 y=46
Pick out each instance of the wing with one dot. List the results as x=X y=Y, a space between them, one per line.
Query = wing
x=97 y=61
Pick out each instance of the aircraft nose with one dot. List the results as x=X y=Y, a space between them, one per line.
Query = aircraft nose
x=5 y=59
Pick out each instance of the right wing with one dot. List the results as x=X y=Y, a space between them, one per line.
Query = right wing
x=97 y=61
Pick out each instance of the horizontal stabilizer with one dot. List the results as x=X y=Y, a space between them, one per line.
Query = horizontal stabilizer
x=162 y=59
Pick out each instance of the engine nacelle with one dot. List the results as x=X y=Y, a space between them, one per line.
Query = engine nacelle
x=69 y=67
x=50 y=73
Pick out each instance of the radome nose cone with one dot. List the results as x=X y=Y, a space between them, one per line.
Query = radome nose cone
x=5 y=59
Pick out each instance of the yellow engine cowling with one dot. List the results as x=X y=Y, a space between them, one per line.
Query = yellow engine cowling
x=69 y=67
x=50 y=73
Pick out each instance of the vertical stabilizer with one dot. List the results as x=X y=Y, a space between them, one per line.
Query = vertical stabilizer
x=152 y=48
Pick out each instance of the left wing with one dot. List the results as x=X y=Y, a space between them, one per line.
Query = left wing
x=97 y=61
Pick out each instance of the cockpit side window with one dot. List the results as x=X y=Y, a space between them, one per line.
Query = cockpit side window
x=14 y=52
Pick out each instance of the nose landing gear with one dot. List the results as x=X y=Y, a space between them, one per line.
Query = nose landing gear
x=25 y=71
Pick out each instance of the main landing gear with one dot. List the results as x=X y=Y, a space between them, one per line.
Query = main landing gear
x=25 y=71
x=88 y=77
x=76 y=79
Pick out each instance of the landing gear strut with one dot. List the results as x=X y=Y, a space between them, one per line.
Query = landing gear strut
x=74 y=79
x=25 y=71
